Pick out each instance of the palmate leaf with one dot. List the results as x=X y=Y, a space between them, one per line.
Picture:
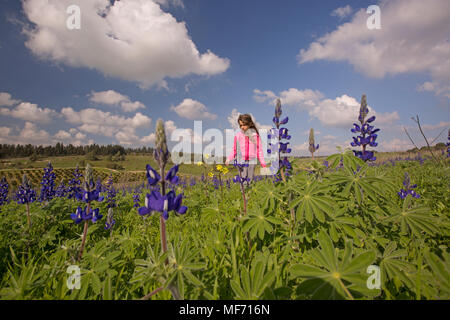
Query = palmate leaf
x=342 y=276
x=358 y=184
x=267 y=194
x=340 y=225
x=258 y=222
x=392 y=266
x=311 y=204
x=441 y=272
x=416 y=220
x=250 y=285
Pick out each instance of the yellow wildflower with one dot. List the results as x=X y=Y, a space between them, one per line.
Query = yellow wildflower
x=219 y=167
x=211 y=174
x=200 y=163
x=206 y=156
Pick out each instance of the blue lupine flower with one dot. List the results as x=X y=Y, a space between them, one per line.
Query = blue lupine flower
x=111 y=193
x=61 y=191
x=110 y=222
x=171 y=175
x=4 y=190
x=152 y=176
x=80 y=215
x=25 y=193
x=408 y=188
x=136 y=200
x=163 y=204
x=367 y=132
x=74 y=190
x=48 y=184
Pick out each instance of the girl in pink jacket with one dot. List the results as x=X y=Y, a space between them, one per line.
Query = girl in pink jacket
x=250 y=146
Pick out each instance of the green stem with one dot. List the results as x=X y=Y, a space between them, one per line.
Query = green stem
x=346 y=290
x=86 y=222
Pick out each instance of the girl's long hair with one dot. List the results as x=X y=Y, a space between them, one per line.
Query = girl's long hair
x=247 y=120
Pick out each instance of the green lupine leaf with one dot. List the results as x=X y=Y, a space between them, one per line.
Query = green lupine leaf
x=327 y=246
x=307 y=271
x=359 y=263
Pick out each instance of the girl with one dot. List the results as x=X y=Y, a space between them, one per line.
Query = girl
x=250 y=146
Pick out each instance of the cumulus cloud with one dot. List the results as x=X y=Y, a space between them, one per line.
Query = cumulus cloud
x=134 y=40
x=104 y=123
x=73 y=136
x=395 y=145
x=339 y=112
x=111 y=97
x=193 y=110
x=342 y=12
x=30 y=112
x=413 y=38
x=263 y=96
x=32 y=134
x=6 y=100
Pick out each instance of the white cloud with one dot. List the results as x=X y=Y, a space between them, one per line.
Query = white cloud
x=263 y=96
x=305 y=99
x=6 y=100
x=395 y=145
x=111 y=97
x=73 y=136
x=31 y=134
x=342 y=12
x=339 y=112
x=132 y=40
x=30 y=112
x=63 y=135
x=104 y=123
x=4 y=132
x=413 y=38
x=436 y=87
x=329 y=137
x=193 y=110
x=440 y=125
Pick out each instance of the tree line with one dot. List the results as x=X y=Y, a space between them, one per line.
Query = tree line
x=29 y=150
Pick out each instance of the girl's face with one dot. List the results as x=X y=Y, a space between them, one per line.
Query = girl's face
x=244 y=127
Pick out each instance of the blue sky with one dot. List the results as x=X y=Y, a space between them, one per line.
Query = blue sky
x=109 y=81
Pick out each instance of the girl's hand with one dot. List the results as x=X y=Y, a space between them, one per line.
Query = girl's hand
x=227 y=162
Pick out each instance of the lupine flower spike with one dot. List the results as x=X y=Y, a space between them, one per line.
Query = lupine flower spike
x=408 y=188
x=367 y=132
x=26 y=195
x=90 y=193
x=279 y=167
x=162 y=202
x=4 y=189
x=312 y=147
x=47 y=184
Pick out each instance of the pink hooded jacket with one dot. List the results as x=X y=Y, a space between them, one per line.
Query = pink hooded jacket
x=250 y=148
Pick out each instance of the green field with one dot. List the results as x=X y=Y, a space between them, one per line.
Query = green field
x=313 y=236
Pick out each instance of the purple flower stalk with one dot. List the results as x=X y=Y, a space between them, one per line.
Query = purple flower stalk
x=110 y=222
x=367 y=133
x=74 y=190
x=279 y=167
x=110 y=193
x=47 y=184
x=4 y=190
x=163 y=204
x=408 y=188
